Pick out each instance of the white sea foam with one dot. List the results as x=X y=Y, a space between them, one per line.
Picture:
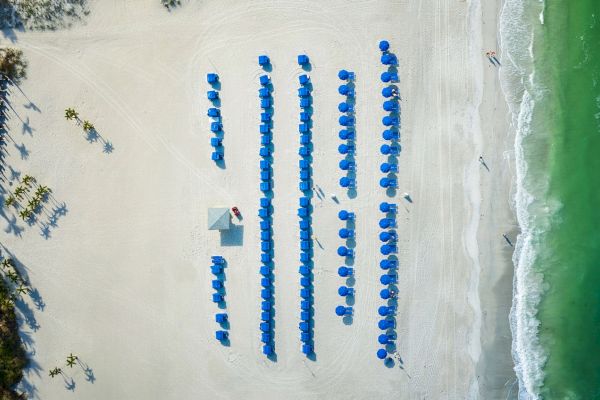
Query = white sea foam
x=518 y=85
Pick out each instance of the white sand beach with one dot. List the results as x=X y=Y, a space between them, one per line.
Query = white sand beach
x=124 y=272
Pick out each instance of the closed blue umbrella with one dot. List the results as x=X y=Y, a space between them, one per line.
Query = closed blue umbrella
x=387 y=279
x=343 y=74
x=384 y=45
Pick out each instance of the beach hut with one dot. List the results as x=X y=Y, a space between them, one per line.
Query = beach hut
x=345 y=233
x=342 y=311
x=217 y=284
x=303 y=92
x=217 y=298
x=304 y=270
x=305 y=282
x=265 y=294
x=305 y=116
x=265 y=103
x=221 y=318
x=265 y=258
x=265 y=306
x=264 y=80
x=268 y=350
x=215 y=142
x=345 y=271
x=305 y=305
x=384 y=45
x=345 y=291
x=304 y=326
x=265 y=337
x=221 y=335
x=305 y=293
x=216 y=269
x=345 y=215
x=219 y=218
x=265 y=327
x=305 y=102
x=303 y=60
x=304 y=225
x=265 y=283
x=263 y=60
x=307 y=349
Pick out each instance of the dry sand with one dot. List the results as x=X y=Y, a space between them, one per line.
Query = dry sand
x=124 y=274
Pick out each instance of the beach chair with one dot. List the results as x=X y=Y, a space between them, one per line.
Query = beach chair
x=305 y=293
x=265 y=337
x=265 y=103
x=265 y=306
x=221 y=318
x=305 y=305
x=213 y=112
x=303 y=79
x=265 y=271
x=217 y=284
x=345 y=272
x=304 y=270
x=221 y=335
x=212 y=78
x=212 y=95
x=264 y=80
x=305 y=282
x=265 y=294
x=343 y=311
x=345 y=291
x=217 y=298
x=303 y=60
x=263 y=60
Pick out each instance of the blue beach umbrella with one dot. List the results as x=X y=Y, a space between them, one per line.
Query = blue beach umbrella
x=343 y=74
x=388 y=91
x=384 y=45
x=381 y=354
x=385 y=323
x=384 y=294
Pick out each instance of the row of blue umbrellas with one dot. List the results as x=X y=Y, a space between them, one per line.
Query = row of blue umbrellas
x=218 y=297
x=345 y=233
x=347 y=133
x=304 y=212
x=214 y=113
x=264 y=211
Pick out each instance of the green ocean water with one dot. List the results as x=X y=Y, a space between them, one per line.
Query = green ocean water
x=565 y=154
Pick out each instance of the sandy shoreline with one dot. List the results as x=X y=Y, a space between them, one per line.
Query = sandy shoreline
x=125 y=276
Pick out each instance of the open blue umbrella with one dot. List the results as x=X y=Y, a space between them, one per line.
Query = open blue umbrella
x=390 y=105
x=385 y=223
x=385 y=323
x=386 y=236
x=384 y=182
x=343 y=90
x=384 y=45
x=384 y=311
x=389 y=121
x=388 y=91
x=345 y=233
x=344 y=107
x=346 y=134
x=389 y=134
x=382 y=354
x=345 y=291
x=345 y=215
x=385 y=206
x=387 y=149
x=387 y=279
x=386 y=77
x=384 y=264
x=384 y=339
x=343 y=74
x=345 y=165
x=387 y=249
x=345 y=120
x=346 y=182
x=341 y=311
x=345 y=271
x=385 y=294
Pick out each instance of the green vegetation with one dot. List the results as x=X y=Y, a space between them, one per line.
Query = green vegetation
x=26 y=198
x=12 y=352
x=170 y=3
x=88 y=126
x=12 y=63
x=70 y=114
x=41 y=14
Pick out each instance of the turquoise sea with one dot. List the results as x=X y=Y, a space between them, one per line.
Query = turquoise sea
x=551 y=79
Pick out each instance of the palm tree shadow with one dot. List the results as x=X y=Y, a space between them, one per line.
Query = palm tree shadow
x=69 y=384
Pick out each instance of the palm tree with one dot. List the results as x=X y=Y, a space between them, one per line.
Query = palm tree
x=88 y=126
x=71 y=360
x=55 y=371
x=7 y=263
x=22 y=289
x=70 y=113
x=10 y=200
x=28 y=180
x=24 y=214
x=19 y=192
x=12 y=276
